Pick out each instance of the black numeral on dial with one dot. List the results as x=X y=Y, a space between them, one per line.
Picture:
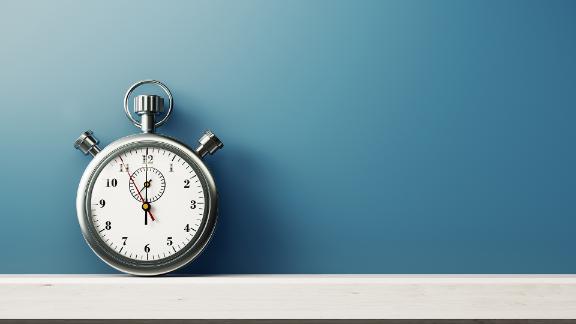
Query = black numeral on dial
x=111 y=183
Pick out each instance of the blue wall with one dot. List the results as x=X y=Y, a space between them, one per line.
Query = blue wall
x=360 y=136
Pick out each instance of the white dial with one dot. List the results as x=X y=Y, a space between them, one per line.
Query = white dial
x=147 y=203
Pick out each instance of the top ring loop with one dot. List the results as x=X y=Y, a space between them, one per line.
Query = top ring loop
x=136 y=85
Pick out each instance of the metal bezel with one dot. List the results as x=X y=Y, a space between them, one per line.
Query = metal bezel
x=146 y=268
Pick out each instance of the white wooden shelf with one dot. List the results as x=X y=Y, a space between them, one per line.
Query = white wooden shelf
x=287 y=297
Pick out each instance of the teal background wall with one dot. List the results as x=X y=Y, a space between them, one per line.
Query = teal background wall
x=360 y=136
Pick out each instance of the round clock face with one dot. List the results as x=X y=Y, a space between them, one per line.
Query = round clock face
x=147 y=203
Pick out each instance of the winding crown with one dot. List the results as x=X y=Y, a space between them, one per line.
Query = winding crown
x=148 y=104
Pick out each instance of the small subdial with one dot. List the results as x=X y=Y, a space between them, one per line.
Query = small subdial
x=151 y=184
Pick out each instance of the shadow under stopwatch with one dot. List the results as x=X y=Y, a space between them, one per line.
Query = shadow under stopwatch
x=248 y=237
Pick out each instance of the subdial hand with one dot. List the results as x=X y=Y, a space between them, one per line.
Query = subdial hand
x=147 y=184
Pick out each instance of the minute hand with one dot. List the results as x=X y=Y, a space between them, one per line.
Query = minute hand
x=138 y=191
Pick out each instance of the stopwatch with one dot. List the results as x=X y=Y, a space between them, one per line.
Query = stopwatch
x=146 y=203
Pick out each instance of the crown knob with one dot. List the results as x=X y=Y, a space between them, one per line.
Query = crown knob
x=145 y=104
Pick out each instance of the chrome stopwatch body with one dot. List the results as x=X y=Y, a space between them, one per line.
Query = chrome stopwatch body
x=147 y=204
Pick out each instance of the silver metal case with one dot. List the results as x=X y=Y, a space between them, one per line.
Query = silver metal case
x=155 y=267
